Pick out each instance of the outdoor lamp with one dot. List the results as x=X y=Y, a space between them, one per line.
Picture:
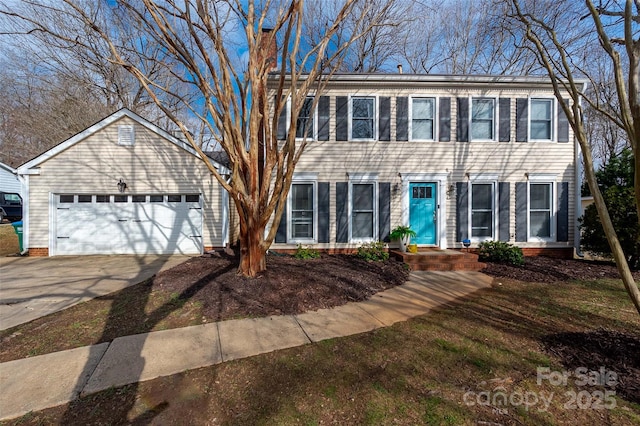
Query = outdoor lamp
x=122 y=185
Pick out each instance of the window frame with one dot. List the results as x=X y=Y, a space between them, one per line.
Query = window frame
x=552 y=210
x=494 y=121
x=434 y=119
x=314 y=120
x=375 y=117
x=553 y=122
x=484 y=180
x=364 y=179
x=290 y=238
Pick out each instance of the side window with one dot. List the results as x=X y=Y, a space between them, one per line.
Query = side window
x=422 y=118
x=363 y=118
x=363 y=211
x=541 y=119
x=540 y=210
x=302 y=212
x=483 y=119
x=482 y=210
x=305 y=123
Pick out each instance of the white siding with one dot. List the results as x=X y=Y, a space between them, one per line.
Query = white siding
x=9 y=182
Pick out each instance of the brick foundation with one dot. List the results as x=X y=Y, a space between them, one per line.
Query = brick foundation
x=560 y=253
x=321 y=250
x=38 y=251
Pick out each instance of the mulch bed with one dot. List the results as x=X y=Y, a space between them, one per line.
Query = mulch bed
x=288 y=286
x=541 y=269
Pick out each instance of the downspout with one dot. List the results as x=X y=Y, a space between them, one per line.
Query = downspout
x=579 y=172
x=24 y=189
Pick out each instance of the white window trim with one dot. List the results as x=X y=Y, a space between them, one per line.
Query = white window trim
x=441 y=178
x=487 y=179
x=435 y=118
x=496 y=113
x=375 y=118
x=553 y=207
x=363 y=178
x=314 y=135
x=303 y=179
x=554 y=121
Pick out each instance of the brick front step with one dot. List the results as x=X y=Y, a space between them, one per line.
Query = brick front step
x=439 y=260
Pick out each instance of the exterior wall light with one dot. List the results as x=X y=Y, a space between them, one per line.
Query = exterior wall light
x=122 y=185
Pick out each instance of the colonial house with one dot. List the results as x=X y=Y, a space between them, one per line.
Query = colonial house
x=454 y=157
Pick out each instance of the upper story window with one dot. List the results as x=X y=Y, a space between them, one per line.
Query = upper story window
x=541 y=119
x=483 y=119
x=305 y=124
x=363 y=113
x=423 y=118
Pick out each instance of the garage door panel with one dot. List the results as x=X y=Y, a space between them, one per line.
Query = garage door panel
x=128 y=228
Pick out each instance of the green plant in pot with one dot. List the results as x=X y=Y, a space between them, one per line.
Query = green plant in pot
x=403 y=234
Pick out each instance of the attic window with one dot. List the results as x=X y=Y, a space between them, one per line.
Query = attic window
x=126 y=135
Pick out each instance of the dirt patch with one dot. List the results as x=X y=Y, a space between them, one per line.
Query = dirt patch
x=613 y=351
x=541 y=269
x=288 y=286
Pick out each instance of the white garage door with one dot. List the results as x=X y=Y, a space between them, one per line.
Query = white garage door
x=128 y=224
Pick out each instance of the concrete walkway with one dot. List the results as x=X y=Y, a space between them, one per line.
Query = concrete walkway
x=32 y=287
x=32 y=384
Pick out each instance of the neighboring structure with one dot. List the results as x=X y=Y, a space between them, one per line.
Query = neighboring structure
x=9 y=181
x=122 y=186
x=454 y=157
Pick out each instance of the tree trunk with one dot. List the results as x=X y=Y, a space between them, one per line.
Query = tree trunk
x=253 y=258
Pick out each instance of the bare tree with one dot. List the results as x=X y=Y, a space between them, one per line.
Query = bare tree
x=564 y=37
x=217 y=49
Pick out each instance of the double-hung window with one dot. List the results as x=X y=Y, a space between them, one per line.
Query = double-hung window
x=363 y=210
x=305 y=123
x=363 y=114
x=423 y=118
x=541 y=120
x=482 y=210
x=302 y=212
x=541 y=210
x=483 y=119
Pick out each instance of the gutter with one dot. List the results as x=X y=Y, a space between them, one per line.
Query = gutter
x=579 y=172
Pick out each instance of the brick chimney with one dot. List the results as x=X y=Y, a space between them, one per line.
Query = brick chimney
x=269 y=48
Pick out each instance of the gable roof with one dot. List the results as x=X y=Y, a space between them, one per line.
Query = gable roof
x=8 y=168
x=100 y=125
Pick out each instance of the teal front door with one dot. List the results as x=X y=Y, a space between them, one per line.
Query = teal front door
x=423 y=212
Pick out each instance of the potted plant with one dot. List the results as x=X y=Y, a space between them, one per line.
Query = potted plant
x=403 y=234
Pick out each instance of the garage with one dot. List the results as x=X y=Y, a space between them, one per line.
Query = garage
x=127 y=224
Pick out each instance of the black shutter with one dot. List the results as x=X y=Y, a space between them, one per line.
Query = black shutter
x=522 y=119
x=463 y=120
x=462 y=211
x=342 y=218
x=342 y=118
x=563 y=123
x=323 y=118
x=563 y=211
x=384 y=122
x=503 y=213
x=282 y=122
x=281 y=234
x=445 y=120
x=522 y=222
x=323 y=212
x=384 y=211
x=402 y=119
x=504 y=129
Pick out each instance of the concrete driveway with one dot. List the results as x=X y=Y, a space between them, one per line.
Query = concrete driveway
x=32 y=287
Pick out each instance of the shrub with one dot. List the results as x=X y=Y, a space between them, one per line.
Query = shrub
x=306 y=253
x=500 y=252
x=374 y=250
